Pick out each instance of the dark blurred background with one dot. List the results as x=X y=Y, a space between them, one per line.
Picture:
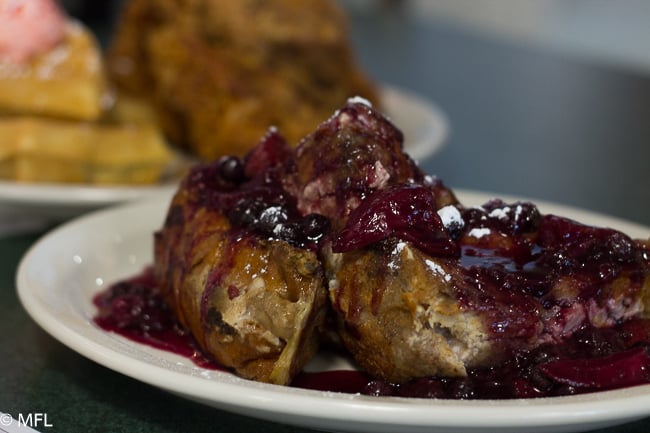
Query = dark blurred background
x=99 y=15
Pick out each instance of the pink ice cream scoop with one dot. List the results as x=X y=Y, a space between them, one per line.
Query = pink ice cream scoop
x=29 y=27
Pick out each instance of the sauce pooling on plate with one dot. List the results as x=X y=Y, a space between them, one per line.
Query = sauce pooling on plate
x=134 y=308
x=591 y=360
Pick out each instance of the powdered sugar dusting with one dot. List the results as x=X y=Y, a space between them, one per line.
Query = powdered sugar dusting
x=359 y=100
x=479 y=232
x=437 y=269
x=451 y=217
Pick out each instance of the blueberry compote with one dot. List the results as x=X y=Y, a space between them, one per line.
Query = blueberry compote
x=510 y=258
x=251 y=194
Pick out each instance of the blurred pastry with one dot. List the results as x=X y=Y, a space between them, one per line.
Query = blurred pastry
x=221 y=72
x=254 y=304
x=49 y=65
x=59 y=122
x=53 y=150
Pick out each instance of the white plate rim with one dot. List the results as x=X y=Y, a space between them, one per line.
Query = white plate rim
x=61 y=194
x=322 y=410
x=424 y=124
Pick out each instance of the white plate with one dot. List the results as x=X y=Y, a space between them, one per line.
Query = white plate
x=59 y=275
x=424 y=125
x=59 y=201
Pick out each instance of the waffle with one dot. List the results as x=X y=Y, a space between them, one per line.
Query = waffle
x=65 y=82
x=60 y=123
x=52 y=150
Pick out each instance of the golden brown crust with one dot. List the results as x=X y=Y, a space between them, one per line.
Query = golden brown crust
x=403 y=304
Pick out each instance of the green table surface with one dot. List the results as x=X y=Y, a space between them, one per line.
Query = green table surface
x=523 y=121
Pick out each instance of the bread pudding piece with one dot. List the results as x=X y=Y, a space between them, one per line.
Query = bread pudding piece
x=418 y=284
x=423 y=286
x=496 y=281
x=237 y=271
x=354 y=156
x=66 y=81
x=353 y=153
x=221 y=72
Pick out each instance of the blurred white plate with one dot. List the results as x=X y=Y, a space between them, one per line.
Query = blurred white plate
x=424 y=124
x=30 y=207
x=63 y=201
x=59 y=275
x=23 y=205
